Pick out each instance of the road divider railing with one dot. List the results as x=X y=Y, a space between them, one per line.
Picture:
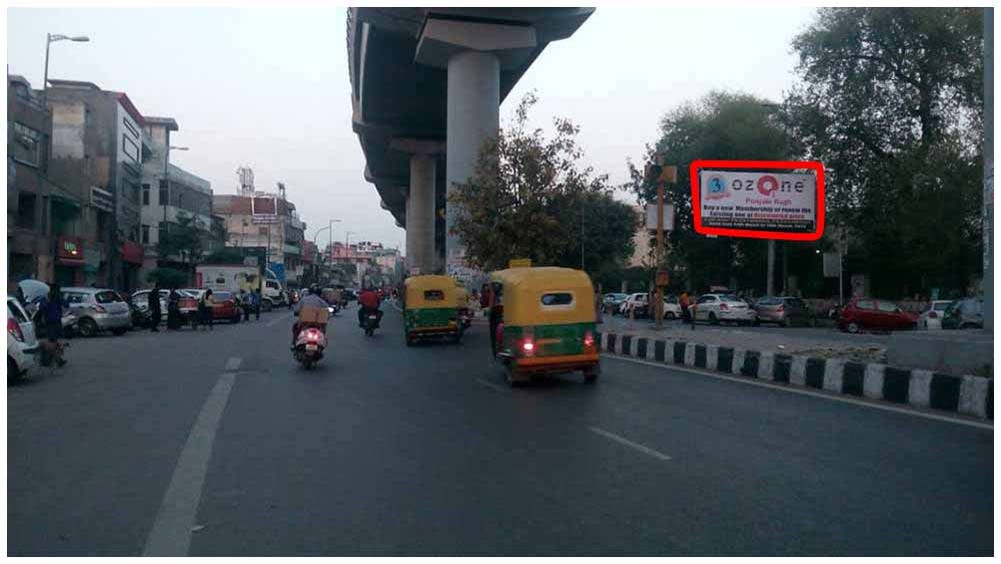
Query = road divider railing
x=967 y=395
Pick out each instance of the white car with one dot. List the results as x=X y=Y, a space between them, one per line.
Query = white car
x=639 y=301
x=931 y=318
x=715 y=308
x=140 y=300
x=22 y=346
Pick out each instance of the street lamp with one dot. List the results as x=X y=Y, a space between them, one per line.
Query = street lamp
x=49 y=40
x=330 y=226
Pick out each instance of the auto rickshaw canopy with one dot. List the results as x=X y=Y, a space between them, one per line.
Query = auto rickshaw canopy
x=545 y=295
x=430 y=291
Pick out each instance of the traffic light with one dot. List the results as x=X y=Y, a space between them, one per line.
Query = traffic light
x=652 y=172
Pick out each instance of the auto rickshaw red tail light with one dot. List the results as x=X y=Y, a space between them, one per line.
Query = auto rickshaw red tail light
x=528 y=347
x=588 y=342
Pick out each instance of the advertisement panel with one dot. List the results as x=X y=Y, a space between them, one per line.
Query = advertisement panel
x=732 y=198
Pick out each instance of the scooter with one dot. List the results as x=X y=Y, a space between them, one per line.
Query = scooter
x=309 y=346
x=370 y=323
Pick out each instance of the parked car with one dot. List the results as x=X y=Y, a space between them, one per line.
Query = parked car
x=636 y=302
x=931 y=317
x=783 y=310
x=22 y=346
x=224 y=306
x=612 y=301
x=140 y=305
x=967 y=313
x=715 y=308
x=870 y=313
x=97 y=309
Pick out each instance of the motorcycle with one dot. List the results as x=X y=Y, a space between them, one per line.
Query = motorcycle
x=370 y=323
x=309 y=346
x=465 y=318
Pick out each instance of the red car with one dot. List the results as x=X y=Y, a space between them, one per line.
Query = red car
x=224 y=306
x=870 y=313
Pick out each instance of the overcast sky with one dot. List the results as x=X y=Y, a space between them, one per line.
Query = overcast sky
x=269 y=88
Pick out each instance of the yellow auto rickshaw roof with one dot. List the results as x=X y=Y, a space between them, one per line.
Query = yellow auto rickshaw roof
x=415 y=286
x=430 y=281
x=525 y=286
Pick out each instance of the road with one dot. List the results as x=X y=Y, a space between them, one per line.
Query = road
x=215 y=443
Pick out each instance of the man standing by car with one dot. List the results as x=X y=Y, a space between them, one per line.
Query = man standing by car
x=154 y=307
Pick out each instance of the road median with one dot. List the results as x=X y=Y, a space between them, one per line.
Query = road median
x=923 y=389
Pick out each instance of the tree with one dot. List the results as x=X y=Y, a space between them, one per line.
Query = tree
x=529 y=198
x=892 y=103
x=183 y=240
x=720 y=125
x=167 y=277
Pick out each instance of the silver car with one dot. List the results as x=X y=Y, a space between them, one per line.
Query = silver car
x=715 y=308
x=97 y=310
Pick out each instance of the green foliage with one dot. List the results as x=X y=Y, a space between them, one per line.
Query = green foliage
x=168 y=277
x=720 y=125
x=892 y=103
x=183 y=239
x=529 y=198
x=225 y=255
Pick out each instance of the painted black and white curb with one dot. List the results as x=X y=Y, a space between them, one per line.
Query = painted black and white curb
x=969 y=395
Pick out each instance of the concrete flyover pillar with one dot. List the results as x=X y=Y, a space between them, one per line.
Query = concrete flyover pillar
x=420 y=213
x=473 y=108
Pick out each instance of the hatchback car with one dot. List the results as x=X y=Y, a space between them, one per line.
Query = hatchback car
x=22 y=346
x=869 y=313
x=97 y=309
x=716 y=308
x=783 y=310
x=931 y=317
x=140 y=303
x=964 y=314
x=612 y=301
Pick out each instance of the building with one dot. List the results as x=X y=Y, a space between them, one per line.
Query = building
x=170 y=196
x=99 y=145
x=373 y=263
x=268 y=226
x=43 y=218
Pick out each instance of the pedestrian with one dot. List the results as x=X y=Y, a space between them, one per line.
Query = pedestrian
x=205 y=309
x=288 y=298
x=154 y=308
x=173 y=310
x=51 y=312
x=686 y=312
x=245 y=300
x=255 y=300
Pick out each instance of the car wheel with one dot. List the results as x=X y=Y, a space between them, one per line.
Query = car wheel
x=853 y=327
x=13 y=374
x=266 y=305
x=713 y=320
x=784 y=323
x=88 y=327
x=119 y=332
x=670 y=316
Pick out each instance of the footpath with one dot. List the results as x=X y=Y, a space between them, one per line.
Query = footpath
x=856 y=366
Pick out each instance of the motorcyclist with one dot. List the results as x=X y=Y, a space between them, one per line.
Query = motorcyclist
x=312 y=299
x=369 y=303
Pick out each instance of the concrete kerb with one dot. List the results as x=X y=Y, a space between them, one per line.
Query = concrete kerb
x=925 y=389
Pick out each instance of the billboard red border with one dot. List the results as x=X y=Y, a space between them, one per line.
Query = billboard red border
x=816 y=166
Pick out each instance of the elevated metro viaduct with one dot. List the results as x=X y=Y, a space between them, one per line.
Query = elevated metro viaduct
x=426 y=86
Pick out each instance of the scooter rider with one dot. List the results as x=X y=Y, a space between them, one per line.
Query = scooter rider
x=369 y=303
x=312 y=299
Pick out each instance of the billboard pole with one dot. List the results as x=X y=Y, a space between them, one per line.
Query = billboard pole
x=658 y=309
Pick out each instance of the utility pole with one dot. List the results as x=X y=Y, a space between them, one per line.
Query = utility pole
x=662 y=174
x=770 y=278
x=988 y=206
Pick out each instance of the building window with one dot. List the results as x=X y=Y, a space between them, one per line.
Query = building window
x=130 y=148
x=180 y=200
x=27 y=145
x=26 y=210
x=132 y=129
x=262 y=230
x=145 y=233
x=103 y=219
x=145 y=194
x=163 y=192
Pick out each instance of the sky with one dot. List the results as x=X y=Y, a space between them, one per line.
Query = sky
x=269 y=88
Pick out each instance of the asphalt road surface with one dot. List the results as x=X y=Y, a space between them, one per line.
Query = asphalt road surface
x=217 y=443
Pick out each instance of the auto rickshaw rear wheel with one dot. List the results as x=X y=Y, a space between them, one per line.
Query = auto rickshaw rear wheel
x=591 y=374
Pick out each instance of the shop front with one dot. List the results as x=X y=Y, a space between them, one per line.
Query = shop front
x=69 y=261
x=132 y=261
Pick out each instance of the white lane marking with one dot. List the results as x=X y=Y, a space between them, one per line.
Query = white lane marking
x=622 y=440
x=806 y=392
x=171 y=532
x=491 y=385
x=233 y=363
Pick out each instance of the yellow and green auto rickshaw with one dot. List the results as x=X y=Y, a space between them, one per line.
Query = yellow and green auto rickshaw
x=430 y=308
x=542 y=320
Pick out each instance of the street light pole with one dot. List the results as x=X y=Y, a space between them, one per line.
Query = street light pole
x=49 y=40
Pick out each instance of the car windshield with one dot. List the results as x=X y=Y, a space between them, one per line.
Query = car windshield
x=941 y=306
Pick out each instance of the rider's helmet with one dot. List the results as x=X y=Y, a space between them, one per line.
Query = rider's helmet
x=314 y=289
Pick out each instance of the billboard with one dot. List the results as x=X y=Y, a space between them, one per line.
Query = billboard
x=739 y=199
x=651 y=217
